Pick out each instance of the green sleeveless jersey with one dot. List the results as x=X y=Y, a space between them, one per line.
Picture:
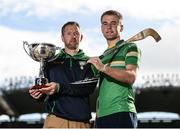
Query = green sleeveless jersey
x=115 y=96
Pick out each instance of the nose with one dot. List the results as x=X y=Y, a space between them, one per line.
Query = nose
x=109 y=26
x=74 y=35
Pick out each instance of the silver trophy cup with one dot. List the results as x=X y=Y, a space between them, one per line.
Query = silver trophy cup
x=41 y=52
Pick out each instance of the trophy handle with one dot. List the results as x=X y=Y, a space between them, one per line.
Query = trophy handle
x=55 y=57
x=25 y=43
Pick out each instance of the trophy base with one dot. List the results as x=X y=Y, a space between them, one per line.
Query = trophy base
x=39 y=86
x=40 y=83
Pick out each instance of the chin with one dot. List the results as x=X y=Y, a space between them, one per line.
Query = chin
x=110 y=38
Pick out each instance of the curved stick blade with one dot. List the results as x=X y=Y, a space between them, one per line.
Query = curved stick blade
x=145 y=33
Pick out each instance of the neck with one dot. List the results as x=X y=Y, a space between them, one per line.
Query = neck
x=112 y=43
x=71 y=52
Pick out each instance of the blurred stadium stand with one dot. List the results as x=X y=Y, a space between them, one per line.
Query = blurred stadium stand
x=154 y=93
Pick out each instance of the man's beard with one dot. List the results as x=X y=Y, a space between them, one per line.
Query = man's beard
x=73 y=46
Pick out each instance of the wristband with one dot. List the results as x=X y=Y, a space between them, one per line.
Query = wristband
x=104 y=68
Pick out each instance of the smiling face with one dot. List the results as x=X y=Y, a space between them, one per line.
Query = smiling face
x=71 y=37
x=111 y=27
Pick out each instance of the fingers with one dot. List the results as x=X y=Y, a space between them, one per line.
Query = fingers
x=96 y=62
x=50 y=89
x=35 y=93
x=38 y=95
x=92 y=59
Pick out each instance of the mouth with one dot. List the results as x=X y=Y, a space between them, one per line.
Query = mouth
x=109 y=32
x=73 y=41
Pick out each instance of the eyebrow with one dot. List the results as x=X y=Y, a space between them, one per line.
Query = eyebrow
x=110 y=22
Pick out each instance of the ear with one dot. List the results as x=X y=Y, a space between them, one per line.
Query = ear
x=81 y=37
x=121 y=28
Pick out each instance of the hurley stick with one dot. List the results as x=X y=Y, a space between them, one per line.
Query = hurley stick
x=139 y=36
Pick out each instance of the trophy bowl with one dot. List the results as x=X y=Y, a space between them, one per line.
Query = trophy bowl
x=41 y=52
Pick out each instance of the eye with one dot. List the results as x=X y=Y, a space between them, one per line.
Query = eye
x=68 y=33
x=76 y=33
x=104 y=23
x=113 y=23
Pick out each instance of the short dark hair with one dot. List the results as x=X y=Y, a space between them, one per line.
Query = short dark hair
x=68 y=23
x=112 y=12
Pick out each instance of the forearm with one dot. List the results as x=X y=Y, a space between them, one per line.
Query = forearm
x=122 y=75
